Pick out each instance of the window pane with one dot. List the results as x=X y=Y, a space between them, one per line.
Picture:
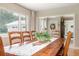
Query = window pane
x=7 y=21
x=23 y=23
x=11 y=21
x=42 y=24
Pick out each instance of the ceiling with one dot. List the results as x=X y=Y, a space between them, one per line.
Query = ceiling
x=44 y=6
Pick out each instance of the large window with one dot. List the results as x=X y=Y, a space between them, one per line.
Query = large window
x=41 y=24
x=11 y=21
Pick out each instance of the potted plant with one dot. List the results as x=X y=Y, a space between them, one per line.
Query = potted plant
x=43 y=37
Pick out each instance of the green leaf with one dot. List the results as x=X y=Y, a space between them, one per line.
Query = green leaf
x=43 y=36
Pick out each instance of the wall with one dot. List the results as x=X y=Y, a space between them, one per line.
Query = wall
x=57 y=26
x=33 y=21
x=21 y=10
x=63 y=11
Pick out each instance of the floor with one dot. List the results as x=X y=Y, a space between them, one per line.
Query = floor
x=73 y=52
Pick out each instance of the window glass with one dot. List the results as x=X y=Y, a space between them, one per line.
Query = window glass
x=6 y=21
x=11 y=21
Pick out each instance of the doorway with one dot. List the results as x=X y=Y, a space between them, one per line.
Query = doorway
x=53 y=26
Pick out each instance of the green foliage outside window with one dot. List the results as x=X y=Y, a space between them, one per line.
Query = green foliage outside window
x=5 y=18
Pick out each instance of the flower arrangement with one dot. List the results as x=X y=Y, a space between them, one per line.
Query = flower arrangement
x=43 y=36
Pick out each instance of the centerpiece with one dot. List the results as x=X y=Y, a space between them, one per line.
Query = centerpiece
x=42 y=37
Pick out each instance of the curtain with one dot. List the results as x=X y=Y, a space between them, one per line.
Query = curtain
x=41 y=24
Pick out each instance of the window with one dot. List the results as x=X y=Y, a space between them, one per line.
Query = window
x=42 y=24
x=11 y=21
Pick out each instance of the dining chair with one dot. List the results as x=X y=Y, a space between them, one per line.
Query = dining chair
x=26 y=36
x=64 y=49
x=33 y=35
x=1 y=48
x=15 y=37
x=2 y=52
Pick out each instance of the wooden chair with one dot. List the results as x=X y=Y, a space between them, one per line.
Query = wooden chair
x=1 y=48
x=64 y=49
x=15 y=36
x=26 y=36
x=2 y=52
x=33 y=35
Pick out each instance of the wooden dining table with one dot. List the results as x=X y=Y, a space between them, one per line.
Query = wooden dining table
x=50 y=50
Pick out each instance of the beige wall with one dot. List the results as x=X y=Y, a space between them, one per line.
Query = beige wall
x=33 y=21
x=63 y=11
x=15 y=8
x=21 y=10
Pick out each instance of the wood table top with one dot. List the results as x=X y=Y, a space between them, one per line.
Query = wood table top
x=51 y=49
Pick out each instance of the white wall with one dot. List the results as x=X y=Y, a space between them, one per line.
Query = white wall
x=65 y=11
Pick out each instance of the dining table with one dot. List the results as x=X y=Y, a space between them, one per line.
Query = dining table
x=50 y=50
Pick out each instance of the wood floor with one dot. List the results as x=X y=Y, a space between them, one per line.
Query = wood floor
x=73 y=52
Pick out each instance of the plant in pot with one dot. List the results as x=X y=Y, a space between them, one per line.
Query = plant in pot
x=43 y=37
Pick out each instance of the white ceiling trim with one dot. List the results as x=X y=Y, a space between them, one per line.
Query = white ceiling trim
x=44 y=6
